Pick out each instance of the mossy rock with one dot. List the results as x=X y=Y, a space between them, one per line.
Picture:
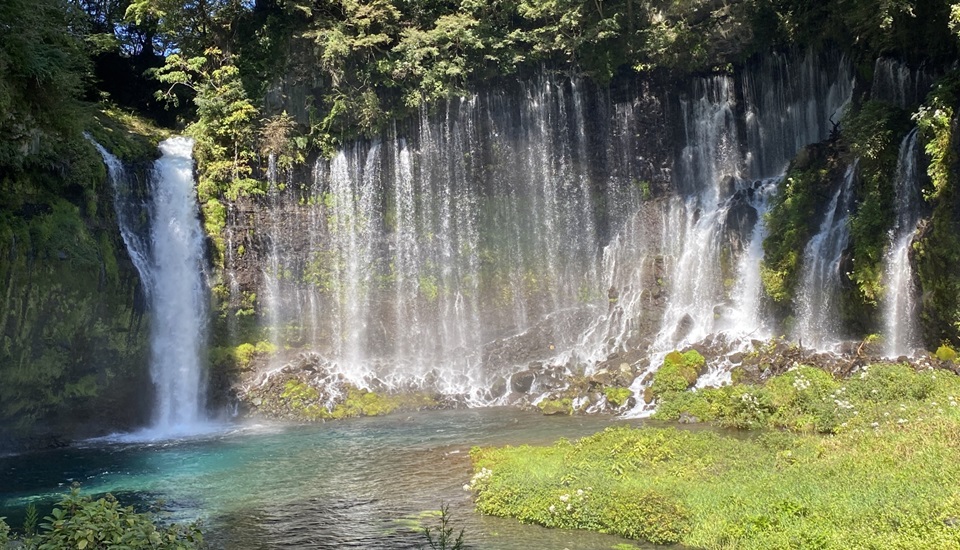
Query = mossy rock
x=551 y=407
x=678 y=372
x=617 y=397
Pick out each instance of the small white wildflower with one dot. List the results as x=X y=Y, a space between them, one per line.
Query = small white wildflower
x=875 y=424
x=579 y=492
x=901 y=421
x=553 y=509
x=564 y=498
x=569 y=507
x=466 y=486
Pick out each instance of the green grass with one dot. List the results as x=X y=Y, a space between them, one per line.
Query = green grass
x=885 y=476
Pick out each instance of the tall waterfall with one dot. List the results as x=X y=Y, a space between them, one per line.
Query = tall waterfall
x=170 y=263
x=406 y=257
x=515 y=227
x=715 y=242
x=818 y=320
x=900 y=301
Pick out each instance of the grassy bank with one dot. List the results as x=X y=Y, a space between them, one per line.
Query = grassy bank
x=869 y=462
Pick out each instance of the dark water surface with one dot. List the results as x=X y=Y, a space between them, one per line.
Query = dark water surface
x=360 y=483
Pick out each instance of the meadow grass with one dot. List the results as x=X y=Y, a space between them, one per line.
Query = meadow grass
x=868 y=462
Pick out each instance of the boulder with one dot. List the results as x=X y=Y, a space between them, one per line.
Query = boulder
x=522 y=381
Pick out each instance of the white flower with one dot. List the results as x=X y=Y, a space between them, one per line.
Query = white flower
x=466 y=486
x=564 y=498
x=553 y=509
x=579 y=492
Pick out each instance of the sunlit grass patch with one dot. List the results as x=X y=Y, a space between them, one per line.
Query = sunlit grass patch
x=868 y=462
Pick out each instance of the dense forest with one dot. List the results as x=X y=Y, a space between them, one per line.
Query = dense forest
x=294 y=79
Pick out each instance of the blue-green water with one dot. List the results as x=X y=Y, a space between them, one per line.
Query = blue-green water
x=347 y=484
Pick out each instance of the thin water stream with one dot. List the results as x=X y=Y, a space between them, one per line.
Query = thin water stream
x=347 y=484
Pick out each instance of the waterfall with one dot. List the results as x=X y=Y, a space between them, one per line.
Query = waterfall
x=170 y=264
x=896 y=83
x=714 y=241
x=409 y=259
x=818 y=324
x=514 y=227
x=900 y=301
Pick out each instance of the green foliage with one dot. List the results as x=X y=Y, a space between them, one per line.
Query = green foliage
x=873 y=134
x=240 y=357
x=30 y=520
x=678 y=372
x=42 y=66
x=876 y=481
x=792 y=220
x=938 y=249
x=445 y=539
x=71 y=344
x=946 y=353
x=83 y=523
x=305 y=402
x=4 y=532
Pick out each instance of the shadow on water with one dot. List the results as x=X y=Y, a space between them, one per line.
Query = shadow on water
x=363 y=483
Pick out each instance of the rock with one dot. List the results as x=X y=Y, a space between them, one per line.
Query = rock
x=684 y=327
x=522 y=381
x=687 y=418
x=602 y=377
x=550 y=407
x=499 y=388
x=648 y=396
x=736 y=358
x=257 y=401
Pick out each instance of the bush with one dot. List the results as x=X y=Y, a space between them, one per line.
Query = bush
x=946 y=353
x=83 y=523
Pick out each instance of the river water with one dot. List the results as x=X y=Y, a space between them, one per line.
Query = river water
x=360 y=483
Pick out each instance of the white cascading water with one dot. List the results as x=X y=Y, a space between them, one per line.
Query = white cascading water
x=484 y=241
x=405 y=257
x=897 y=83
x=179 y=294
x=818 y=324
x=900 y=300
x=171 y=267
x=714 y=283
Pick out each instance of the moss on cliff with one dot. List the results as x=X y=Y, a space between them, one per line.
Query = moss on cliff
x=793 y=220
x=872 y=134
x=938 y=247
x=71 y=343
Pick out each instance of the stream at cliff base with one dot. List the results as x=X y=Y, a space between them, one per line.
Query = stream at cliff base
x=347 y=484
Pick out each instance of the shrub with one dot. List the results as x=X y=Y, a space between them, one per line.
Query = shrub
x=946 y=353
x=83 y=523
